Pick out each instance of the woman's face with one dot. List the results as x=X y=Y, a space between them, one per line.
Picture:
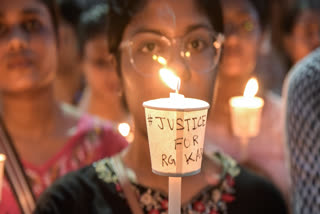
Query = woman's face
x=172 y=19
x=242 y=34
x=68 y=52
x=99 y=68
x=305 y=36
x=27 y=46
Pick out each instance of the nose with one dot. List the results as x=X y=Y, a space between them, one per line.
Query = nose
x=179 y=65
x=231 y=40
x=17 y=39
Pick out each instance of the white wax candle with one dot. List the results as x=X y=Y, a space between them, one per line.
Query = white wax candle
x=247 y=102
x=174 y=195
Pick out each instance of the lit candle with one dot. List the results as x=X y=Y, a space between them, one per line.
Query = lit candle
x=2 y=161
x=173 y=82
x=176 y=130
x=125 y=130
x=246 y=111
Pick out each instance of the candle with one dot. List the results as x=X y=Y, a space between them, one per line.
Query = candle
x=2 y=161
x=176 y=130
x=246 y=111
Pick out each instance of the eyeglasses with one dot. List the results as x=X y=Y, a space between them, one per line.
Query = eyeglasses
x=199 y=50
x=243 y=29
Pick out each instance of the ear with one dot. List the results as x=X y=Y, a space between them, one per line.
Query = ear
x=287 y=43
x=114 y=64
x=62 y=35
x=81 y=65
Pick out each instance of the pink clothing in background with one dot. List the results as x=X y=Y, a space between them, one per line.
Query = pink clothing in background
x=91 y=141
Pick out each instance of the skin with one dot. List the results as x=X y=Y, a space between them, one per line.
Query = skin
x=139 y=88
x=28 y=53
x=305 y=35
x=103 y=93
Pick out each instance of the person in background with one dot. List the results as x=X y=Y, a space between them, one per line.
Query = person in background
x=301 y=30
x=265 y=153
x=51 y=139
x=187 y=34
x=69 y=82
x=270 y=69
x=302 y=98
x=103 y=94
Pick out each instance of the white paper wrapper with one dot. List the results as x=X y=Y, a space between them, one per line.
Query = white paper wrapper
x=176 y=134
x=246 y=116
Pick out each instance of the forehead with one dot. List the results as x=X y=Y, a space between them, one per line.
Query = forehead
x=98 y=43
x=13 y=7
x=310 y=16
x=170 y=17
x=238 y=9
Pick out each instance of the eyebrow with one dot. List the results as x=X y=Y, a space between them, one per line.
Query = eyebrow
x=147 y=30
x=27 y=11
x=32 y=11
x=196 y=27
x=159 y=32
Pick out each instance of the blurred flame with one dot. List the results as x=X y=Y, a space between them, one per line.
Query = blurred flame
x=252 y=88
x=170 y=79
x=124 y=129
x=2 y=157
x=160 y=59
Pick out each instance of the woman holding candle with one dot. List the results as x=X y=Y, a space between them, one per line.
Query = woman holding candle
x=146 y=36
x=50 y=139
x=265 y=152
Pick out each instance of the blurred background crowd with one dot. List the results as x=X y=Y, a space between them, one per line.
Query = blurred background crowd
x=75 y=103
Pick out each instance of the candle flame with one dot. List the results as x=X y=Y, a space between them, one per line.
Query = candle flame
x=170 y=79
x=2 y=157
x=124 y=129
x=252 y=88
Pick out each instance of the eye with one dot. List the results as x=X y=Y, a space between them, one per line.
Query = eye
x=248 y=26
x=3 y=28
x=196 y=45
x=149 y=47
x=32 y=25
x=101 y=62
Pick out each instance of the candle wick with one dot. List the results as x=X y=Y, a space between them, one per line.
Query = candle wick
x=178 y=85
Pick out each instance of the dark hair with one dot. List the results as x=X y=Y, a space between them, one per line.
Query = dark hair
x=290 y=19
x=263 y=9
x=53 y=11
x=292 y=14
x=70 y=11
x=92 y=23
x=122 y=11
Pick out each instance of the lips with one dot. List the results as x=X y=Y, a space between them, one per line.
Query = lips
x=19 y=62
